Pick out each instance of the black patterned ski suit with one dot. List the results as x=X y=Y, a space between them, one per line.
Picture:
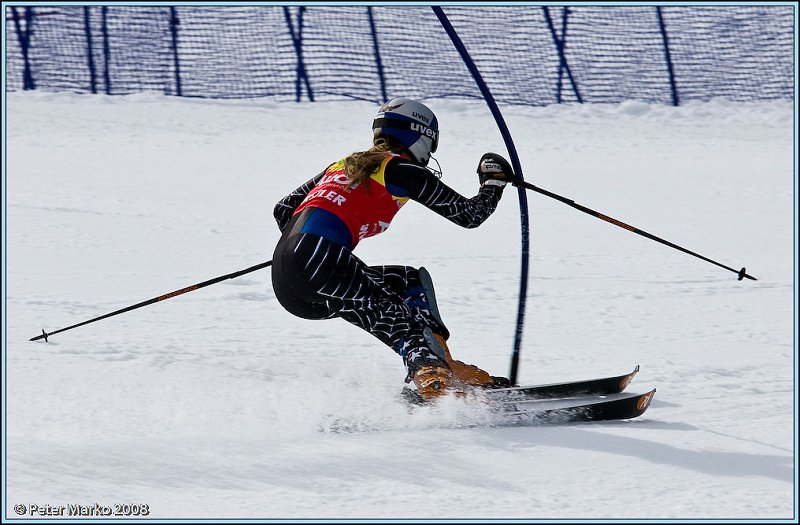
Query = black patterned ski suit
x=316 y=276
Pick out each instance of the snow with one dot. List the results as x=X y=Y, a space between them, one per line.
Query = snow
x=218 y=404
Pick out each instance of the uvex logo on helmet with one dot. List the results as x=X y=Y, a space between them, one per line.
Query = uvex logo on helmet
x=423 y=130
x=420 y=116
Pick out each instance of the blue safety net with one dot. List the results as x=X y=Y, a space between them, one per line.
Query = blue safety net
x=533 y=55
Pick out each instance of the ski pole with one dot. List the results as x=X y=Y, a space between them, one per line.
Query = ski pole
x=741 y=273
x=164 y=297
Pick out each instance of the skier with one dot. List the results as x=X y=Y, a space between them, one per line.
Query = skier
x=316 y=276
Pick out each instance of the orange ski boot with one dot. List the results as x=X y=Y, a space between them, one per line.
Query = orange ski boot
x=463 y=373
x=433 y=381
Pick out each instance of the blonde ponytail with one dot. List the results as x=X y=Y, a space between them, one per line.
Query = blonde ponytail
x=360 y=165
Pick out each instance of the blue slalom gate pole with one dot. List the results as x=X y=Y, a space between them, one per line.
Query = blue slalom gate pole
x=523 y=198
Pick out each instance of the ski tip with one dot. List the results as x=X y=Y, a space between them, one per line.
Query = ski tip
x=644 y=400
x=626 y=380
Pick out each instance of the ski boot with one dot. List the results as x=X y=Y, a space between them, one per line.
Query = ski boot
x=463 y=373
x=433 y=381
x=437 y=336
x=429 y=372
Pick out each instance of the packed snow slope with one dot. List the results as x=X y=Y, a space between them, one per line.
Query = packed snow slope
x=219 y=404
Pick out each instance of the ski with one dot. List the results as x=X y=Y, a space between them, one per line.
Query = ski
x=599 y=387
x=589 y=400
x=529 y=411
x=627 y=406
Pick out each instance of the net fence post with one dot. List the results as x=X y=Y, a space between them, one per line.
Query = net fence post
x=560 y=43
x=24 y=38
x=173 y=29
x=668 y=56
x=106 y=50
x=378 y=62
x=87 y=29
x=297 y=40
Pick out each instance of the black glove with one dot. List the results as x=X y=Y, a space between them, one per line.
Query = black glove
x=494 y=170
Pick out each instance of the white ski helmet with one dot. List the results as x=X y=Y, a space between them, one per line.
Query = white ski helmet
x=412 y=124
